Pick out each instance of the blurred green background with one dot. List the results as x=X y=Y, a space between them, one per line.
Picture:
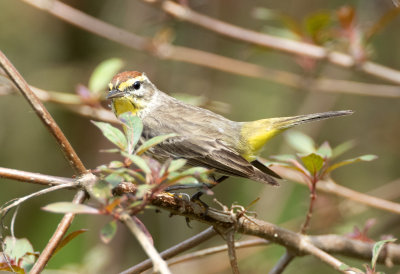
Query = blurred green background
x=54 y=55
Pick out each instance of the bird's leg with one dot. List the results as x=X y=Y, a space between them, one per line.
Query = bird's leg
x=197 y=195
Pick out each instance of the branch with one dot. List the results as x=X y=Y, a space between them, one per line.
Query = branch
x=175 y=250
x=44 y=115
x=31 y=177
x=160 y=266
x=333 y=244
x=297 y=243
x=230 y=240
x=58 y=235
x=66 y=148
x=283 y=262
x=277 y=43
x=216 y=249
x=206 y=59
x=329 y=186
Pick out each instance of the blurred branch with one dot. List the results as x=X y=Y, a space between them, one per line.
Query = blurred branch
x=283 y=262
x=175 y=250
x=277 y=43
x=206 y=59
x=329 y=186
x=217 y=249
x=18 y=201
x=160 y=266
x=35 y=178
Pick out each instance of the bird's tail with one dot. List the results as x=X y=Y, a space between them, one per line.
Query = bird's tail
x=288 y=122
x=256 y=133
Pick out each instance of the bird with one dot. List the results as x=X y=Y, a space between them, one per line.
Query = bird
x=203 y=138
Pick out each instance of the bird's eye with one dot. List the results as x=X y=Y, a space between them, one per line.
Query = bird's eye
x=136 y=85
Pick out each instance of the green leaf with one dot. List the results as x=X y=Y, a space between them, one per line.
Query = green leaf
x=377 y=249
x=153 y=142
x=113 y=134
x=139 y=162
x=111 y=150
x=342 y=148
x=312 y=162
x=285 y=158
x=142 y=190
x=69 y=238
x=116 y=164
x=194 y=171
x=317 y=23
x=325 y=150
x=300 y=142
x=68 y=207
x=103 y=73
x=176 y=165
x=114 y=179
x=102 y=191
x=365 y=158
x=19 y=249
x=133 y=129
x=108 y=232
x=190 y=176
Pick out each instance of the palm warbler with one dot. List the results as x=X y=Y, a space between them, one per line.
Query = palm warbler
x=204 y=137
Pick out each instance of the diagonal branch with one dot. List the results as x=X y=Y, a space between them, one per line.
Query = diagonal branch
x=44 y=115
x=66 y=148
x=277 y=43
x=31 y=177
x=175 y=250
x=206 y=59
x=160 y=266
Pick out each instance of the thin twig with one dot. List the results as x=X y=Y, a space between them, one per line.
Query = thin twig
x=329 y=186
x=313 y=196
x=323 y=256
x=277 y=43
x=43 y=114
x=215 y=250
x=206 y=59
x=35 y=178
x=19 y=201
x=283 y=262
x=58 y=235
x=230 y=240
x=173 y=251
x=159 y=264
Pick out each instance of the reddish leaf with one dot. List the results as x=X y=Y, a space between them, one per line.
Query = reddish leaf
x=69 y=238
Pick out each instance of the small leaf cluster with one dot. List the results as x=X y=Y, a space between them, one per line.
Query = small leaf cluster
x=147 y=173
x=137 y=172
x=316 y=162
x=18 y=255
x=376 y=250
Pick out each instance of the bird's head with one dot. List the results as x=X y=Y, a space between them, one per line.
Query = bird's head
x=130 y=91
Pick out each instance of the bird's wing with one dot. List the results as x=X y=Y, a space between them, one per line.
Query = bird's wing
x=213 y=154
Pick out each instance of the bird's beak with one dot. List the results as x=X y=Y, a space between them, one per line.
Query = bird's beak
x=115 y=93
